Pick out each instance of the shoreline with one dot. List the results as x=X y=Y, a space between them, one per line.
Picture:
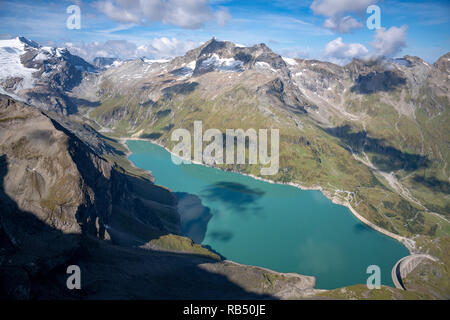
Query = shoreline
x=408 y=243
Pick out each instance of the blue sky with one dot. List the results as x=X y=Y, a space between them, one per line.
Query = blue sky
x=333 y=30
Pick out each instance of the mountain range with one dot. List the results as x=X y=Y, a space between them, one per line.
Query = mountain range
x=372 y=135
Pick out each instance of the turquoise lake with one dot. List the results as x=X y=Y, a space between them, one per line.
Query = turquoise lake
x=274 y=226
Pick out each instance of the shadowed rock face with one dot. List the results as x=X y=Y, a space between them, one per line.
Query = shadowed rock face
x=41 y=176
x=378 y=81
x=62 y=180
x=58 y=180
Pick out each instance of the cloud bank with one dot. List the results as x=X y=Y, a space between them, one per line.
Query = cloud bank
x=389 y=42
x=341 y=53
x=155 y=49
x=190 y=14
x=337 y=13
x=386 y=43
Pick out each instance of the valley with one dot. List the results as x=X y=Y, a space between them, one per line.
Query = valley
x=372 y=135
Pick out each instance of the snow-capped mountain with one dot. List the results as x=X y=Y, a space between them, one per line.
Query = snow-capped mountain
x=220 y=63
x=40 y=75
x=103 y=63
x=14 y=76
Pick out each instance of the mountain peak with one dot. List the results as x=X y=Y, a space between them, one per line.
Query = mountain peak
x=215 y=46
x=29 y=42
x=443 y=63
x=263 y=46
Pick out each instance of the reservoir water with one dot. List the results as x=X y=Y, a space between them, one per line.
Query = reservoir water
x=274 y=226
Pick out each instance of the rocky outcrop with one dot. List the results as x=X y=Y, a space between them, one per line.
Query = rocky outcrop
x=55 y=191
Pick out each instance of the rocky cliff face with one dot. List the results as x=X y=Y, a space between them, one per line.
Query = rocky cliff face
x=54 y=174
x=54 y=181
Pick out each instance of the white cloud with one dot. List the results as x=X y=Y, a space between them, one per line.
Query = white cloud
x=189 y=14
x=389 y=42
x=341 y=53
x=295 y=52
x=4 y=36
x=331 y=8
x=155 y=48
x=168 y=48
x=223 y=16
x=115 y=13
x=336 y=10
x=110 y=48
x=342 y=25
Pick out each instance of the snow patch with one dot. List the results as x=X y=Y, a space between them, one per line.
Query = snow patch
x=12 y=67
x=185 y=71
x=42 y=56
x=264 y=65
x=191 y=65
x=11 y=95
x=149 y=61
x=290 y=61
x=225 y=65
x=402 y=62
x=117 y=63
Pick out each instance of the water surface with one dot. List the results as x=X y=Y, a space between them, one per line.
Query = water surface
x=274 y=226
